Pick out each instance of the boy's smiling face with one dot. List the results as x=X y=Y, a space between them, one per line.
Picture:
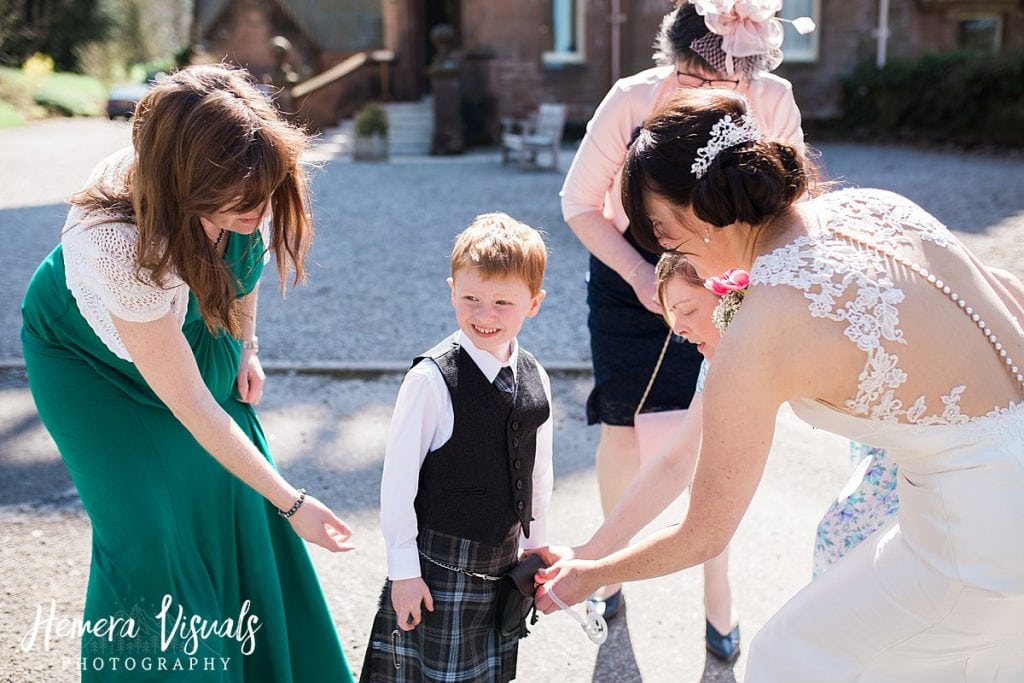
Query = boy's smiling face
x=491 y=311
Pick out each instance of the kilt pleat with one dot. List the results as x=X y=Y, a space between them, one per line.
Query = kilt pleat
x=457 y=642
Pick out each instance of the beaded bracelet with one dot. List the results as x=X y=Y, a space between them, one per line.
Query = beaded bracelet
x=296 y=506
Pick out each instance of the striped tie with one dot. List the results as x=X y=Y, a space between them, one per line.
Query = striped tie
x=505 y=383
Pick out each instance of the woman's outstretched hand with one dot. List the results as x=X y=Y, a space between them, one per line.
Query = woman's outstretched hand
x=551 y=554
x=569 y=579
x=314 y=522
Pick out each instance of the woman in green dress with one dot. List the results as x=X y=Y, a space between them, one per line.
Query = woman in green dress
x=139 y=340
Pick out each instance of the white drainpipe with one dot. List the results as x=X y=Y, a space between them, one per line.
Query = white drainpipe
x=616 y=55
x=882 y=32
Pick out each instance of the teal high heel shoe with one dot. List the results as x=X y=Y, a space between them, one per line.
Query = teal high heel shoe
x=724 y=647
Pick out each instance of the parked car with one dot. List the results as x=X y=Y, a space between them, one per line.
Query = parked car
x=123 y=98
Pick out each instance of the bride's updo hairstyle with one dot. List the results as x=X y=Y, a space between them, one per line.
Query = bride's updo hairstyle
x=749 y=182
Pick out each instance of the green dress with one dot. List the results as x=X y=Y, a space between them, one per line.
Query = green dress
x=169 y=523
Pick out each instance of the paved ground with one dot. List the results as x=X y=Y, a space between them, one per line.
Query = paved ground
x=377 y=293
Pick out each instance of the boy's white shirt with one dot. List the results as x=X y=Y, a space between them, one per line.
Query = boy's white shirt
x=422 y=422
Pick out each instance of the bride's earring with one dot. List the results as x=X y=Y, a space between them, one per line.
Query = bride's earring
x=707 y=235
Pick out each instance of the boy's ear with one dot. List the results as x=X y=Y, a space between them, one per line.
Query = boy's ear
x=535 y=303
x=451 y=285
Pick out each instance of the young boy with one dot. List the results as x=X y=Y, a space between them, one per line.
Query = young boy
x=467 y=472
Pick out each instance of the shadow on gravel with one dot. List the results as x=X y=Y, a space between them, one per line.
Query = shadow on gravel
x=327 y=434
x=616 y=660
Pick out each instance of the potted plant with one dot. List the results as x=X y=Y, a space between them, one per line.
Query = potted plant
x=371 y=129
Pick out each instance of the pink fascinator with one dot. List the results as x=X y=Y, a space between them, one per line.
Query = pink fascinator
x=743 y=31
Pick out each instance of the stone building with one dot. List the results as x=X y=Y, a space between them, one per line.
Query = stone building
x=518 y=53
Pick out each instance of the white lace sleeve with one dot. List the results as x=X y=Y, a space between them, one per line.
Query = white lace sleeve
x=99 y=262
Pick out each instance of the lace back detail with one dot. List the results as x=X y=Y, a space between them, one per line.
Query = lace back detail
x=849 y=285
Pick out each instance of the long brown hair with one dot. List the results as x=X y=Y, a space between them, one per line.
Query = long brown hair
x=207 y=140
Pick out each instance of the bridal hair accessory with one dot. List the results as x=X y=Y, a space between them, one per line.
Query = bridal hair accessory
x=731 y=286
x=593 y=624
x=724 y=134
x=743 y=31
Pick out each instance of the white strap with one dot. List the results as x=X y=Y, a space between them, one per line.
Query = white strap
x=593 y=624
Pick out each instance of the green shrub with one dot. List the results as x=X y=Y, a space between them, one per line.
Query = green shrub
x=371 y=120
x=10 y=117
x=33 y=94
x=70 y=95
x=963 y=97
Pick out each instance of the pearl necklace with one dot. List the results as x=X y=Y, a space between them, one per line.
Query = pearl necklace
x=1014 y=371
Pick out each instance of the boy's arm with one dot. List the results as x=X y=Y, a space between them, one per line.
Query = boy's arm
x=414 y=423
x=543 y=475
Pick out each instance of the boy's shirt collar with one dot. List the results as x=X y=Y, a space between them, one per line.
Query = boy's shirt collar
x=488 y=364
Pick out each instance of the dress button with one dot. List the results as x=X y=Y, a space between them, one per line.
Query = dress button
x=519 y=484
x=515 y=442
x=515 y=426
x=520 y=505
x=517 y=463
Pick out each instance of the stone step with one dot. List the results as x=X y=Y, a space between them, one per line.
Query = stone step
x=410 y=130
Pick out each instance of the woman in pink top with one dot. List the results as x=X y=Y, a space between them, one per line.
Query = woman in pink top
x=700 y=43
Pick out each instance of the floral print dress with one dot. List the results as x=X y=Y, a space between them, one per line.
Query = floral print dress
x=866 y=504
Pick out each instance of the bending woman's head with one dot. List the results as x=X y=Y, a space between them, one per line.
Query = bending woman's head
x=208 y=143
x=686 y=304
x=738 y=184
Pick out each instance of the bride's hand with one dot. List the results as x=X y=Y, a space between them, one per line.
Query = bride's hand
x=570 y=580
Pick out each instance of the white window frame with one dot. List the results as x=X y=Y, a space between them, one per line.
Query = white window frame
x=552 y=58
x=967 y=16
x=810 y=54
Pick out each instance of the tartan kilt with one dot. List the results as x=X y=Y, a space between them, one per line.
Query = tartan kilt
x=458 y=641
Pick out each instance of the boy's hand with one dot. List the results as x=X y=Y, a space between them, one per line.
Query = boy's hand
x=406 y=596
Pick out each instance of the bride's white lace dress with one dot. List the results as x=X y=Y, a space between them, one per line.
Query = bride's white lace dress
x=938 y=595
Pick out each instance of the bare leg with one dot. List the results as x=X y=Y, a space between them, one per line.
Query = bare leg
x=617 y=466
x=717 y=595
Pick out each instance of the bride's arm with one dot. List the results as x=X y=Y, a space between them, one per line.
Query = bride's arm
x=761 y=363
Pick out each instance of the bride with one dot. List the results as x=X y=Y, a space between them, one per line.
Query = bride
x=873 y=321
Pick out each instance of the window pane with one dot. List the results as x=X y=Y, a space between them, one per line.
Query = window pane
x=798 y=47
x=563 y=22
x=980 y=33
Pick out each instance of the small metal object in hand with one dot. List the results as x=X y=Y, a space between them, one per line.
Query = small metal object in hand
x=295 y=507
x=593 y=624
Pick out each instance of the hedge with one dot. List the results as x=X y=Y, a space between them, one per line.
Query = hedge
x=961 y=97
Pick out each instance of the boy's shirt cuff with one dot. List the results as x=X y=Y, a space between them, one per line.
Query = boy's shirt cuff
x=403 y=563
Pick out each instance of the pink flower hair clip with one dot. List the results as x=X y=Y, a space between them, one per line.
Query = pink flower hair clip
x=731 y=286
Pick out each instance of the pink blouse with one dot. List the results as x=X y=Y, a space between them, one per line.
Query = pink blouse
x=594 y=180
